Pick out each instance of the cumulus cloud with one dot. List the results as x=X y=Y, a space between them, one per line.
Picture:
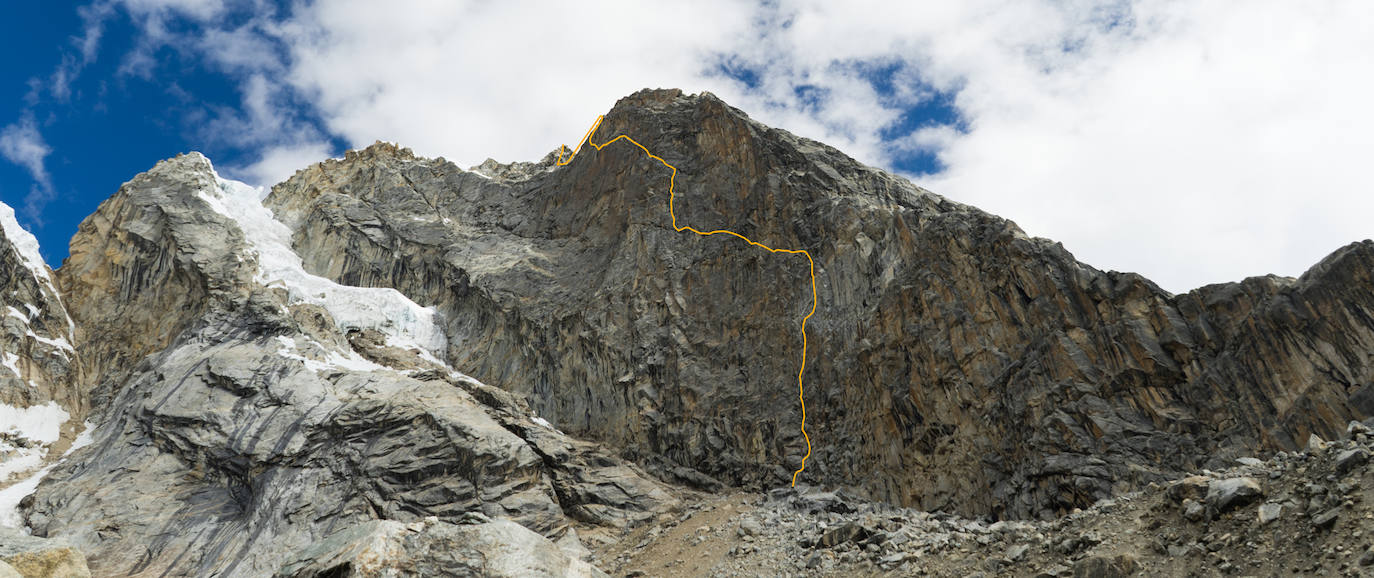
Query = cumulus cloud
x=278 y=163
x=23 y=145
x=1192 y=142
x=509 y=80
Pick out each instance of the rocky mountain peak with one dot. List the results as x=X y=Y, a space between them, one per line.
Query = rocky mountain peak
x=147 y=265
x=380 y=150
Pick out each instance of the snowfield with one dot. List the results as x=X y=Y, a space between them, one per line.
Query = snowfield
x=404 y=323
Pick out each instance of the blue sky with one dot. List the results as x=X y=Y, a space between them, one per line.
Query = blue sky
x=1186 y=141
x=110 y=127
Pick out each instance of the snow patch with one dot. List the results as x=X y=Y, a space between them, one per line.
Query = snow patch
x=10 y=497
x=332 y=359
x=85 y=438
x=27 y=432
x=403 y=322
x=39 y=423
x=56 y=343
x=20 y=459
x=25 y=243
x=542 y=421
x=12 y=361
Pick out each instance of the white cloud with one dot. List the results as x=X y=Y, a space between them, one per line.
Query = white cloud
x=509 y=80
x=198 y=10
x=1203 y=144
x=23 y=145
x=280 y=162
x=1190 y=141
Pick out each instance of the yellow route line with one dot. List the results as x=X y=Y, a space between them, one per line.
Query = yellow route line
x=672 y=181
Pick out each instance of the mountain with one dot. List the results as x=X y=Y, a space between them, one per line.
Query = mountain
x=942 y=332
x=389 y=364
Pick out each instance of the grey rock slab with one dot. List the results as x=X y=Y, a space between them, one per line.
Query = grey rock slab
x=265 y=425
x=1229 y=493
x=1269 y=512
x=500 y=549
x=1326 y=519
x=1348 y=460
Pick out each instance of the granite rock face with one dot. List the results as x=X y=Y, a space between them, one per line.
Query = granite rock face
x=266 y=423
x=955 y=362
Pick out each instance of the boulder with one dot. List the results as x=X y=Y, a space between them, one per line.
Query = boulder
x=1119 y=566
x=32 y=557
x=1191 y=487
x=1326 y=519
x=1269 y=512
x=1192 y=510
x=1348 y=460
x=1223 y=495
x=847 y=532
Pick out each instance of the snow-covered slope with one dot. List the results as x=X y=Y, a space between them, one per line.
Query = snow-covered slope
x=404 y=323
x=24 y=243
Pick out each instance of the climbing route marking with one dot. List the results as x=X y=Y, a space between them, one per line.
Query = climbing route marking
x=672 y=180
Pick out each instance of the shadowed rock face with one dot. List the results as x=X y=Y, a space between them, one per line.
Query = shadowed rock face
x=955 y=362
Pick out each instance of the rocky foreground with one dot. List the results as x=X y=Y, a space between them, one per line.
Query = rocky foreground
x=1302 y=513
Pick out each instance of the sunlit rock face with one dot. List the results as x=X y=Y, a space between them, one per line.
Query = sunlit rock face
x=245 y=410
